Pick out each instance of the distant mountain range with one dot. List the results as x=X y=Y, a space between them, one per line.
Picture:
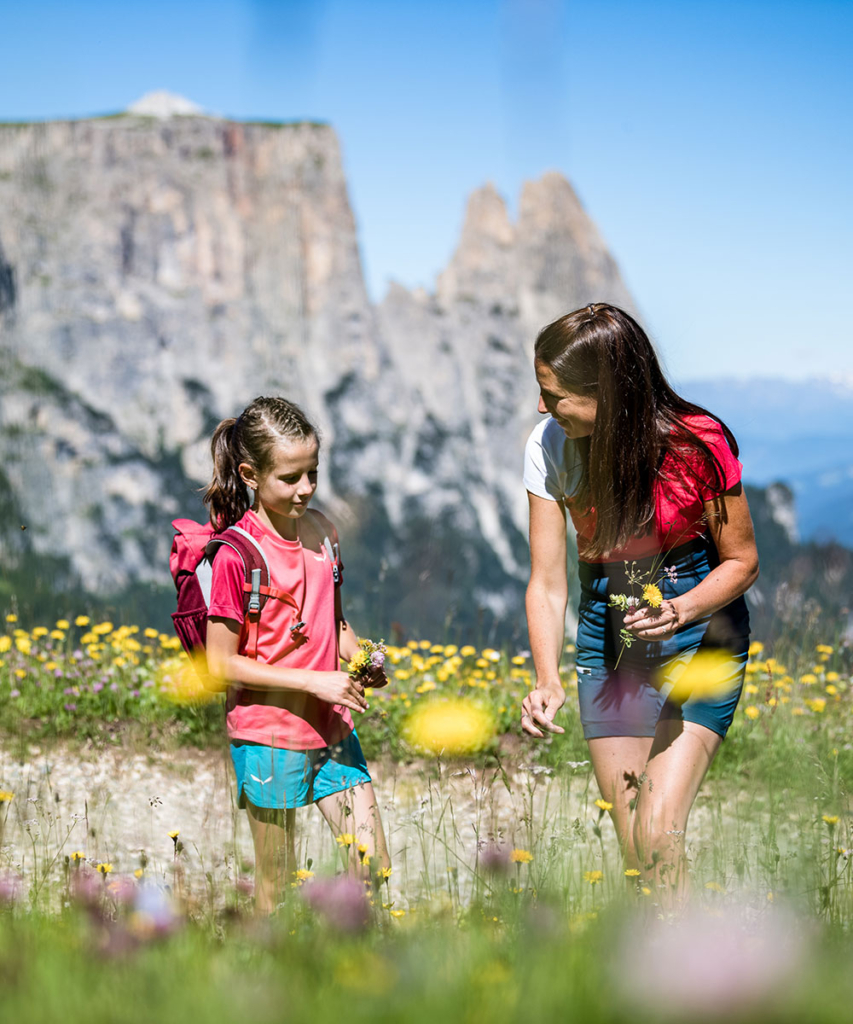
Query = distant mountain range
x=798 y=432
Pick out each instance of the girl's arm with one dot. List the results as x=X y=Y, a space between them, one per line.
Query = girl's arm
x=547 y=595
x=730 y=525
x=228 y=666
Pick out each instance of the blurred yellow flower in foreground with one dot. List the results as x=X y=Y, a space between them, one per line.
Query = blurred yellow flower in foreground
x=593 y=877
x=831 y=819
x=751 y=712
x=6 y=796
x=450 y=727
x=756 y=647
x=707 y=674
x=521 y=856
x=186 y=680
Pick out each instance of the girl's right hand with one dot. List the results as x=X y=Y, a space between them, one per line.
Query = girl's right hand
x=338 y=688
x=539 y=707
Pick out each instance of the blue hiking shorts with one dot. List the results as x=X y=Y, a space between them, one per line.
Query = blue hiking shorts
x=275 y=779
x=631 y=698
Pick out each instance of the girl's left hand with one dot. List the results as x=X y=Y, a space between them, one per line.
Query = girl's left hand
x=653 y=623
x=376 y=679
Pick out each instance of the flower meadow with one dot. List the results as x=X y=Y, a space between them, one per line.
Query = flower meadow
x=506 y=899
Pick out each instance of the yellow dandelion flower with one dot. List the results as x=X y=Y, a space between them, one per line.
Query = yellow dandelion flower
x=756 y=647
x=63 y=624
x=521 y=856
x=77 y=856
x=705 y=674
x=11 y=618
x=39 y=632
x=593 y=877
x=632 y=873
x=398 y=913
x=818 y=705
x=468 y=651
x=832 y=677
x=452 y=726
x=51 y=666
x=425 y=645
x=652 y=595
x=174 y=835
x=82 y=620
x=714 y=887
x=605 y=805
x=102 y=628
x=21 y=673
x=450 y=650
x=751 y=712
x=345 y=839
x=824 y=649
x=808 y=679
x=302 y=875
x=138 y=873
x=104 y=869
x=646 y=891
x=831 y=819
x=832 y=690
x=5 y=644
x=384 y=872
x=6 y=796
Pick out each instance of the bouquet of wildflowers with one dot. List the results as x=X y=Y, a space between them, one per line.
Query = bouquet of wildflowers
x=650 y=594
x=367 y=661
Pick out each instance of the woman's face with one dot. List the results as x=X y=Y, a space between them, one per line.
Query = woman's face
x=575 y=413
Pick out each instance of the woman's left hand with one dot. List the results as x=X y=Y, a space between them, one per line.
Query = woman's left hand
x=653 y=623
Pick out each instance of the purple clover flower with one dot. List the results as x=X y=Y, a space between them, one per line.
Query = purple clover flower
x=341 y=902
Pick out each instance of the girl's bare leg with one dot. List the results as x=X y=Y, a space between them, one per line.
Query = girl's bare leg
x=355 y=812
x=275 y=857
x=618 y=763
x=679 y=760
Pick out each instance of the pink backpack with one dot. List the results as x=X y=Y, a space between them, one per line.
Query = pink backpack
x=191 y=563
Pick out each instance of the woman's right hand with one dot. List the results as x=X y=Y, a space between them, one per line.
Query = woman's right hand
x=539 y=708
x=338 y=688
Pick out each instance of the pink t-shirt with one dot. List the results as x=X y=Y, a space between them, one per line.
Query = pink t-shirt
x=282 y=718
x=552 y=471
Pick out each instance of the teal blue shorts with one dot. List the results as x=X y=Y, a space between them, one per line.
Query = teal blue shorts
x=275 y=779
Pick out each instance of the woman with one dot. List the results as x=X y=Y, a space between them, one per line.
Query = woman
x=652 y=484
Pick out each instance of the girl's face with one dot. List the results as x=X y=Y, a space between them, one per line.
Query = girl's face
x=575 y=413
x=288 y=487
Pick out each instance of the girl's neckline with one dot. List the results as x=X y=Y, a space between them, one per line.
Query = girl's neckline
x=273 y=536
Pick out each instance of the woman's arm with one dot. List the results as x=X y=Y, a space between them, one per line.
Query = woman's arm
x=547 y=595
x=226 y=665
x=730 y=525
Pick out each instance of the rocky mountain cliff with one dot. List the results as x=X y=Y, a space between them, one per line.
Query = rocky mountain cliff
x=157 y=273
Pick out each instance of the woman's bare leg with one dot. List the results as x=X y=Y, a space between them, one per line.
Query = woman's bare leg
x=618 y=763
x=679 y=760
x=275 y=857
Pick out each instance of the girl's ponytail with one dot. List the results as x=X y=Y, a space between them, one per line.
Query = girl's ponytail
x=249 y=439
x=226 y=495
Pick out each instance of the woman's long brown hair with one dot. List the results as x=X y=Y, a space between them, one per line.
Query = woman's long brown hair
x=600 y=351
x=249 y=438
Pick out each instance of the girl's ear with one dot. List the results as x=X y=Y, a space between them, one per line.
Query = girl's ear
x=248 y=475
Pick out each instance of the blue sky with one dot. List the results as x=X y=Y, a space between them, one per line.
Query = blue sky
x=711 y=141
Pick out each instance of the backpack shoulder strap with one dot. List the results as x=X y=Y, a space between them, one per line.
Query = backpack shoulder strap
x=329 y=539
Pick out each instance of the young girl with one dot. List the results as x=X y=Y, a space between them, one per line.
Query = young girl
x=652 y=484
x=289 y=710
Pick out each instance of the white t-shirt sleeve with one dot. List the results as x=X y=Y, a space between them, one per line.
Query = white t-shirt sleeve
x=544 y=476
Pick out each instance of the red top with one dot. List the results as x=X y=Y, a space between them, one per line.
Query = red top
x=283 y=718
x=679 y=498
